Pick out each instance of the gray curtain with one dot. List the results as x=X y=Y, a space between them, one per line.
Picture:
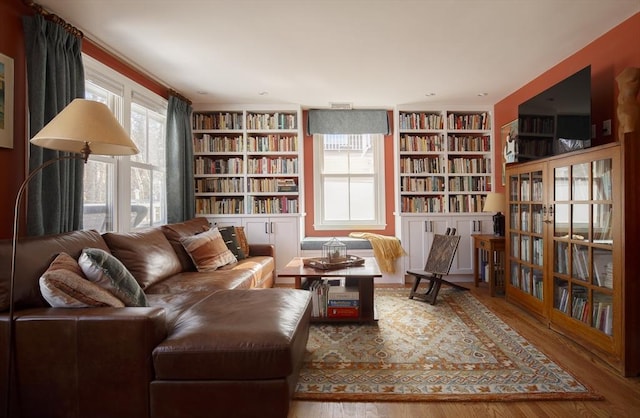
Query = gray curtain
x=355 y=122
x=55 y=77
x=180 y=188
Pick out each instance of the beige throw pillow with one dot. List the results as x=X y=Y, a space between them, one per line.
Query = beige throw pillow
x=63 y=285
x=208 y=250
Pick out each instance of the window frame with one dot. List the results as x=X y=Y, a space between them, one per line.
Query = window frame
x=378 y=176
x=130 y=92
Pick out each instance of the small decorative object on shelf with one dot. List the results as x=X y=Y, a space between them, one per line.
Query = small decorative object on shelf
x=323 y=263
x=334 y=251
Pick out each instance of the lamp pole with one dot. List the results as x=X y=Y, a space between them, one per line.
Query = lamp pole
x=14 y=244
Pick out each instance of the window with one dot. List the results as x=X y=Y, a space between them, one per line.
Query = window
x=125 y=193
x=349 y=181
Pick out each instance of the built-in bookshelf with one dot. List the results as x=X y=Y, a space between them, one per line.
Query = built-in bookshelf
x=444 y=165
x=445 y=161
x=572 y=247
x=247 y=162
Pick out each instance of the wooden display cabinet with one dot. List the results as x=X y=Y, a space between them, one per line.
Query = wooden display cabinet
x=571 y=241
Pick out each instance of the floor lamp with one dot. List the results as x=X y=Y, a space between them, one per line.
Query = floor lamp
x=495 y=203
x=82 y=128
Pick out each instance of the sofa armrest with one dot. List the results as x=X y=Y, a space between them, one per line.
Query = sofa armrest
x=90 y=355
x=262 y=249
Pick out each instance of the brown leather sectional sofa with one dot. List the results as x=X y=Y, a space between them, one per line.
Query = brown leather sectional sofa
x=211 y=344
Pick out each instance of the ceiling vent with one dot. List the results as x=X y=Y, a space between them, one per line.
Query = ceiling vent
x=342 y=106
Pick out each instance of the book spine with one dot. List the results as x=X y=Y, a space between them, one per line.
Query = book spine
x=343 y=312
x=343 y=302
x=344 y=295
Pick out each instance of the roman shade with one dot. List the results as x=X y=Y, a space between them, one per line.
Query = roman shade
x=354 y=122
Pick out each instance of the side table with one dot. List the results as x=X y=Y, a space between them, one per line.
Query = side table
x=489 y=256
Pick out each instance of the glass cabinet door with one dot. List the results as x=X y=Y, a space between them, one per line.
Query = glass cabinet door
x=525 y=232
x=581 y=209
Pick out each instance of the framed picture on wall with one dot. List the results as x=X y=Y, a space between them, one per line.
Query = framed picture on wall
x=509 y=136
x=6 y=101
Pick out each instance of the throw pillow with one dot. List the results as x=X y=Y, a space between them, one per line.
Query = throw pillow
x=208 y=250
x=65 y=289
x=109 y=273
x=174 y=232
x=231 y=240
x=242 y=240
x=64 y=261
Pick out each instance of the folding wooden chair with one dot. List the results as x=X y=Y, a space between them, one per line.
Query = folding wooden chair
x=438 y=264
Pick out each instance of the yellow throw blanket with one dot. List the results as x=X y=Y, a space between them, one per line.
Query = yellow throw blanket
x=386 y=249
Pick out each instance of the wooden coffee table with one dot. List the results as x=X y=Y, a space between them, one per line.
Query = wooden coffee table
x=361 y=276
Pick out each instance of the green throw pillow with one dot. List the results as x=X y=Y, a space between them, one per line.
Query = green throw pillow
x=109 y=273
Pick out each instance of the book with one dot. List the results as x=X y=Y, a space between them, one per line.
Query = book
x=343 y=293
x=343 y=312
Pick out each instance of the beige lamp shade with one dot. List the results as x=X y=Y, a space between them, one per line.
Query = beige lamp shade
x=85 y=123
x=494 y=202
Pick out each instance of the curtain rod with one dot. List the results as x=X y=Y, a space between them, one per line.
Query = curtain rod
x=54 y=18
x=77 y=32
x=172 y=92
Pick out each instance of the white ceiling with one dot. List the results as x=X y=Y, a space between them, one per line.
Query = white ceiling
x=370 y=53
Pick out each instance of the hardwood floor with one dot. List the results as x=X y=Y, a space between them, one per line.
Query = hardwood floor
x=622 y=395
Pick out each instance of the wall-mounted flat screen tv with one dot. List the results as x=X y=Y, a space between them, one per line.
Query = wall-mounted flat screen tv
x=557 y=120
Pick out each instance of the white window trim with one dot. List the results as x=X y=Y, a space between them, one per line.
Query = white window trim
x=379 y=180
x=131 y=92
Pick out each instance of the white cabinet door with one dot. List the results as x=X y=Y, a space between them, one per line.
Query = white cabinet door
x=282 y=232
x=465 y=227
x=417 y=237
x=418 y=232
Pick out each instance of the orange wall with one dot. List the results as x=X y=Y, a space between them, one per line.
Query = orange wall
x=608 y=56
x=309 y=191
x=13 y=161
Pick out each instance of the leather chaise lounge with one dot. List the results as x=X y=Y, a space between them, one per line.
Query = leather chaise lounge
x=220 y=343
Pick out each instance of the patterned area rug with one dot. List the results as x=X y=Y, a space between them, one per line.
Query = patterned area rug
x=457 y=350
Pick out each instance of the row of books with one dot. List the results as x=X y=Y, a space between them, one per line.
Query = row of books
x=217 y=120
x=466 y=203
x=414 y=165
x=536 y=224
x=270 y=185
x=531 y=250
x=422 y=204
x=210 y=143
x=537 y=124
x=469 y=143
x=469 y=121
x=220 y=185
x=272 y=121
x=470 y=165
x=421 y=143
x=531 y=191
x=422 y=184
x=528 y=280
x=274 y=205
x=218 y=206
x=603 y=316
x=207 y=165
x=421 y=120
x=333 y=301
x=272 y=143
x=267 y=165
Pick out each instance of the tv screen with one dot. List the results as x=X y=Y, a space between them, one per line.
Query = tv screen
x=557 y=120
